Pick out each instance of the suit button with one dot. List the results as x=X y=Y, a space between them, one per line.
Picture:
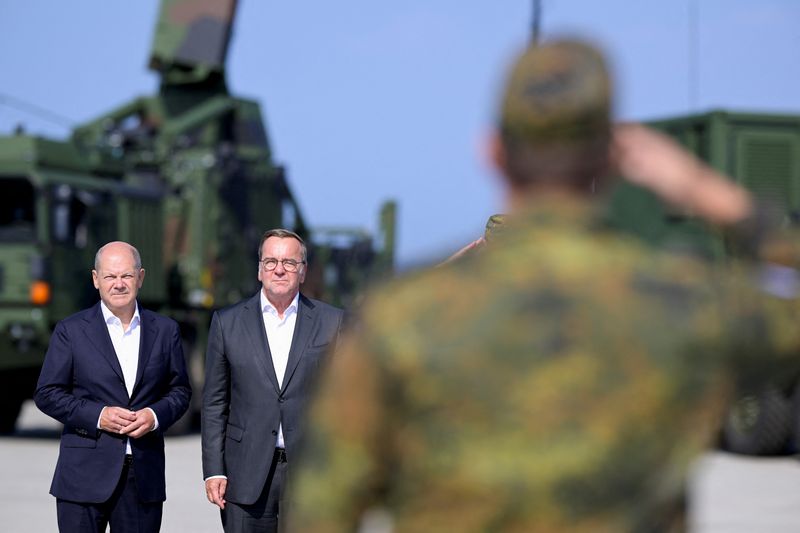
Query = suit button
x=281 y=400
x=274 y=432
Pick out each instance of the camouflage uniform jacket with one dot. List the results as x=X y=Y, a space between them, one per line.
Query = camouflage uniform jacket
x=562 y=381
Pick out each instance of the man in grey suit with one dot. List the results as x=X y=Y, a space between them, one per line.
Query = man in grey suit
x=262 y=359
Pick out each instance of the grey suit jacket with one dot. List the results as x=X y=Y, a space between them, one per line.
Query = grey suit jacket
x=243 y=404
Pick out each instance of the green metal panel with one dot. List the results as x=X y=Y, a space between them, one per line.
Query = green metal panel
x=759 y=151
x=203 y=115
x=15 y=274
x=768 y=163
x=17 y=149
x=144 y=218
x=718 y=156
x=249 y=128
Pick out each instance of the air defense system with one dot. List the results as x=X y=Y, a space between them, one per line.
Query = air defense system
x=187 y=176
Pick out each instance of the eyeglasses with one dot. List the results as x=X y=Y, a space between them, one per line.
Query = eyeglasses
x=289 y=265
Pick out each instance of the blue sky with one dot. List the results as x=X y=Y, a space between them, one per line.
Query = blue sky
x=366 y=101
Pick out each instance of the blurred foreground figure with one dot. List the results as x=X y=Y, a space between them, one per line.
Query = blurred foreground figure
x=560 y=380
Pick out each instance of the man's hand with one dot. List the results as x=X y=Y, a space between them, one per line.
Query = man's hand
x=141 y=425
x=116 y=419
x=215 y=491
x=460 y=253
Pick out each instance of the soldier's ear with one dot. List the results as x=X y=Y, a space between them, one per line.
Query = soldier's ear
x=496 y=154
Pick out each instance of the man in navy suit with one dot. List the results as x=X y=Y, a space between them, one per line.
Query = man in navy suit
x=115 y=376
x=262 y=359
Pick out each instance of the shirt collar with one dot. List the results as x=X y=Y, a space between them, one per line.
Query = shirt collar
x=267 y=307
x=111 y=318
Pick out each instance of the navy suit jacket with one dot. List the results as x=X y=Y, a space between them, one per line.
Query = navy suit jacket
x=81 y=374
x=243 y=404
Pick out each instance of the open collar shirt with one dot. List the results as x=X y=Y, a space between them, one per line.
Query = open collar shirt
x=126 y=346
x=280 y=332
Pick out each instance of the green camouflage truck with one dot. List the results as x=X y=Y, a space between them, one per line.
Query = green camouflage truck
x=761 y=152
x=187 y=176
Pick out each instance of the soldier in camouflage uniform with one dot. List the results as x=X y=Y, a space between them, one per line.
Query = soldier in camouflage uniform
x=561 y=380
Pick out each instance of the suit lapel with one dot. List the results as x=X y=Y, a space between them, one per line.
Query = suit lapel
x=97 y=333
x=304 y=325
x=147 y=335
x=257 y=336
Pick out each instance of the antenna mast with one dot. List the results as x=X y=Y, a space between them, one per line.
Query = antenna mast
x=536 y=21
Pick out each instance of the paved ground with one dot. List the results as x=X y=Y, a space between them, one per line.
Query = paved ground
x=738 y=494
x=27 y=461
x=730 y=494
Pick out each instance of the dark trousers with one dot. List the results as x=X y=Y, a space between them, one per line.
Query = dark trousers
x=263 y=515
x=123 y=511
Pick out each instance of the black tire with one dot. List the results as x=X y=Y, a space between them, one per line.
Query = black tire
x=17 y=386
x=9 y=412
x=760 y=424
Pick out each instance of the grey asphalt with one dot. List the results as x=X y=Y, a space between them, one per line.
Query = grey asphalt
x=27 y=460
x=728 y=494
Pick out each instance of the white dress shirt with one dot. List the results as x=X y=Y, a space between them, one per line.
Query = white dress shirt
x=279 y=336
x=126 y=346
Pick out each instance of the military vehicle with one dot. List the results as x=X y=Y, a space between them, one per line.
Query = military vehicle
x=761 y=152
x=187 y=176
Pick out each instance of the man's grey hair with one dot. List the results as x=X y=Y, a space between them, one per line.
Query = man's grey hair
x=137 y=259
x=283 y=234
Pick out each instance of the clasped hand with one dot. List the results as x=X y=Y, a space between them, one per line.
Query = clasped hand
x=123 y=421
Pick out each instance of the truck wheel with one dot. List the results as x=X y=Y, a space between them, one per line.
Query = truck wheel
x=760 y=424
x=17 y=386
x=9 y=411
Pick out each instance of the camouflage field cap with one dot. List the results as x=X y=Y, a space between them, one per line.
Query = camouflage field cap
x=558 y=92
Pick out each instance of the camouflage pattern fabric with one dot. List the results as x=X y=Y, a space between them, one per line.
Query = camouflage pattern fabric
x=191 y=39
x=561 y=381
x=494 y=226
x=559 y=93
